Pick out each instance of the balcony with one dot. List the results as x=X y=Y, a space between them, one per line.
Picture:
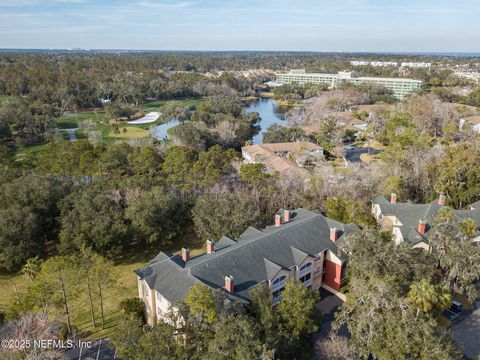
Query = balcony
x=308 y=282
x=276 y=300
x=279 y=285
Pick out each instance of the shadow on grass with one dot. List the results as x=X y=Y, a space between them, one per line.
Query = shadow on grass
x=138 y=253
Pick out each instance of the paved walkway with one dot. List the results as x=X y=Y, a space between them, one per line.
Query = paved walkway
x=466 y=331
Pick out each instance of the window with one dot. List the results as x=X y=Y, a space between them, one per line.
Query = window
x=306 y=280
x=306 y=267
x=278 y=283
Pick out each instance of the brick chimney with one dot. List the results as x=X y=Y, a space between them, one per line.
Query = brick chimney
x=441 y=200
x=422 y=226
x=210 y=247
x=185 y=254
x=229 y=283
x=393 y=198
x=333 y=234
x=278 y=220
x=286 y=215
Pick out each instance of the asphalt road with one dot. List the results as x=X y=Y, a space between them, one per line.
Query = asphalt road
x=466 y=331
x=99 y=350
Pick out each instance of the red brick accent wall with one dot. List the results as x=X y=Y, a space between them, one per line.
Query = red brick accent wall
x=332 y=275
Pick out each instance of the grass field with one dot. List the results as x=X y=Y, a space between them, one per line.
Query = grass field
x=75 y=120
x=131 y=132
x=134 y=257
x=5 y=99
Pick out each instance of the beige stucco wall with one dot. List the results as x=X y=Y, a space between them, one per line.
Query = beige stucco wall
x=149 y=299
x=162 y=306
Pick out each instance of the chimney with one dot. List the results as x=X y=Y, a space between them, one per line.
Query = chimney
x=393 y=198
x=210 y=247
x=278 y=220
x=441 y=200
x=422 y=225
x=286 y=215
x=185 y=254
x=229 y=283
x=333 y=234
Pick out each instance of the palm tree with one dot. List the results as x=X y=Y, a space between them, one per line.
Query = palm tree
x=32 y=268
x=428 y=297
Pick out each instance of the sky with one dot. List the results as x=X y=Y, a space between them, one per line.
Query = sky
x=282 y=25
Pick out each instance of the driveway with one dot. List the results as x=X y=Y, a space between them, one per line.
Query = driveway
x=466 y=332
x=99 y=350
x=328 y=304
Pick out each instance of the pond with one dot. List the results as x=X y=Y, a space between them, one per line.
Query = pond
x=270 y=114
x=266 y=108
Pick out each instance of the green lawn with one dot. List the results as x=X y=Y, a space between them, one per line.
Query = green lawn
x=134 y=257
x=74 y=120
x=132 y=132
x=5 y=99
x=29 y=149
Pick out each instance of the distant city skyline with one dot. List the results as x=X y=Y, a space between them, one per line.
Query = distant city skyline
x=268 y=25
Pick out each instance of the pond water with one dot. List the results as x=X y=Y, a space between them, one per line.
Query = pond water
x=268 y=111
x=270 y=114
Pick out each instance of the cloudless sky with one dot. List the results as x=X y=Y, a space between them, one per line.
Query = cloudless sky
x=301 y=25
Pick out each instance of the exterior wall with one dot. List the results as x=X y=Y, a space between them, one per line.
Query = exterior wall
x=140 y=287
x=332 y=275
x=333 y=271
x=317 y=273
x=149 y=299
x=162 y=306
x=397 y=235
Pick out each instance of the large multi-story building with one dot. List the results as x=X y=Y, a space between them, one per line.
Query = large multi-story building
x=414 y=222
x=301 y=245
x=374 y=63
x=400 y=87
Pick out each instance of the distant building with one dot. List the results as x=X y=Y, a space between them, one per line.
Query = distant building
x=399 y=86
x=416 y=64
x=301 y=245
x=414 y=222
x=278 y=157
x=471 y=75
x=374 y=63
x=473 y=121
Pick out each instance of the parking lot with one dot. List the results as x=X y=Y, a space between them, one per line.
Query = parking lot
x=466 y=332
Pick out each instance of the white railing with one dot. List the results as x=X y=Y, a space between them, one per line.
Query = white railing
x=278 y=286
x=276 y=300
x=307 y=282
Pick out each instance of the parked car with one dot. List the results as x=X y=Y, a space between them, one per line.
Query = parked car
x=455 y=309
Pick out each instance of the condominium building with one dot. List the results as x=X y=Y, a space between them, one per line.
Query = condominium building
x=416 y=64
x=300 y=245
x=374 y=63
x=414 y=222
x=400 y=87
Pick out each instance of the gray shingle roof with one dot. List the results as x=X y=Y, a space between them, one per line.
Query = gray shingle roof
x=410 y=214
x=254 y=257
